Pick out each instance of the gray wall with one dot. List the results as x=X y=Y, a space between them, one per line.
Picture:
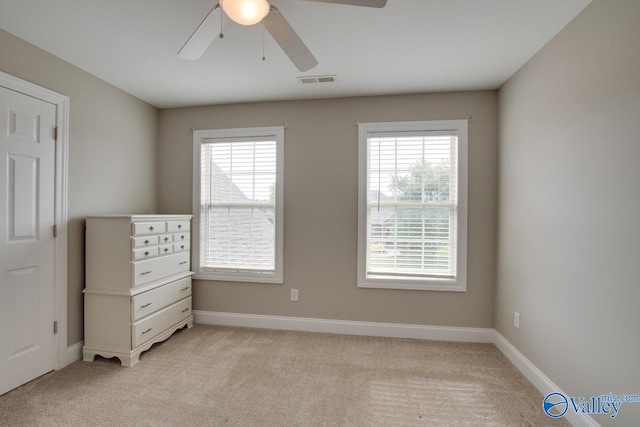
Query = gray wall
x=569 y=229
x=112 y=150
x=321 y=207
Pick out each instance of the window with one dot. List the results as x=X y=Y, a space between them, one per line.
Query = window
x=412 y=205
x=238 y=200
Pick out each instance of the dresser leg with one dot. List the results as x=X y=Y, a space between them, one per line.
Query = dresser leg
x=129 y=361
x=88 y=356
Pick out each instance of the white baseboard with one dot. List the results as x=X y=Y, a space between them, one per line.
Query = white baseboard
x=74 y=353
x=346 y=327
x=539 y=379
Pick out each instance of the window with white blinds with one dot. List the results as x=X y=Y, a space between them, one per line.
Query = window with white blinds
x=412 y=213
x=239 y=204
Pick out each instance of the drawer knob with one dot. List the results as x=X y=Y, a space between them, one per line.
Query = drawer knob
x=179 y=225
x=166 y=239
x=182 y=237
x=146 y=242
x=146 y=253
x=184 y=289
x=183 y=262
x=166 y=249
x=145 y=305
x=145 y=272
x=182 y=247
x=151 y=228
x=186 y=309
x=148 y=330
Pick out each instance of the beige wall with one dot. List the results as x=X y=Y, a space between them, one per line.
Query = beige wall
x=321 y=207
x=567 y=249
x=112 y=156
x=569 y=234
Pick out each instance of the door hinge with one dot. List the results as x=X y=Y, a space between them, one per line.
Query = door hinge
x=55 y=230
x=55 y=133
x=55 y=326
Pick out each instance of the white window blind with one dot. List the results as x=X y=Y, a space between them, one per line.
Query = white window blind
x=239 y=232
x=411 y=205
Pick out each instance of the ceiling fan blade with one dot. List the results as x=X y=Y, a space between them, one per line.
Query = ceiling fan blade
x=289 y=41
x=365 y=3
x=203 y=36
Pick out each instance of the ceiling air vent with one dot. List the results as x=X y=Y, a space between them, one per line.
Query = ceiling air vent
x=316 y=79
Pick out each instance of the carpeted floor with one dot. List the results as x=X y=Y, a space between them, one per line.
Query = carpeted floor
x=222 y=376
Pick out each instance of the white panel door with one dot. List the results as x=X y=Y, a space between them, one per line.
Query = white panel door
x=27 y=167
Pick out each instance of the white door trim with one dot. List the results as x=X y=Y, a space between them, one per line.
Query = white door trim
x=61 y=189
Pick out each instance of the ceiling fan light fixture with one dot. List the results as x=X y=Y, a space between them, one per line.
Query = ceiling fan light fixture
x=245 y=12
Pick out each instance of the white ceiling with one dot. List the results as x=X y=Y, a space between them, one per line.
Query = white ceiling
x=409 y=46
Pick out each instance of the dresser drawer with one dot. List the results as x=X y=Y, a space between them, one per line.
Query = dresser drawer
x=165 y=249
x=177 y=226
x=144 y=253
x=148 y=271
x=165 y=238
x=181 y=247
x=181 y=237
x=147 y=328
x=148 y=303
x=141 y=242
x=149 y=227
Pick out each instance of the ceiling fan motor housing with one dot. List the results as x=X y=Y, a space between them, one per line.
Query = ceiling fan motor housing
x=245 y=12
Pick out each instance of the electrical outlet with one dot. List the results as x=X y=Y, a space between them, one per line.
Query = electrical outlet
x=294 y=295
x=516 y=320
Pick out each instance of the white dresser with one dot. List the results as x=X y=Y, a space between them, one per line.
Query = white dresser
x=138 y=283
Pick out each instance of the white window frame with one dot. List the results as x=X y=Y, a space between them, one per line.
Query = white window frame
x=459 y=282
x=277 y=132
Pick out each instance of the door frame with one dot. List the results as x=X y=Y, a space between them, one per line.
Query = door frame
x=60 y=199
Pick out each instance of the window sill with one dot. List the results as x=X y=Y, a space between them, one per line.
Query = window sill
x=238 y=277
x=447 y=285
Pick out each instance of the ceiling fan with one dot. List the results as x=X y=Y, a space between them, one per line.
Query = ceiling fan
x=250 y=12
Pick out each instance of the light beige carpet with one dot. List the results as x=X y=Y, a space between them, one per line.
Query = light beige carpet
x=222 y=376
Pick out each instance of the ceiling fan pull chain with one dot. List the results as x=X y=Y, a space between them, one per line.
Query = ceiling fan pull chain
x=263 y=30
x=221 y=26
